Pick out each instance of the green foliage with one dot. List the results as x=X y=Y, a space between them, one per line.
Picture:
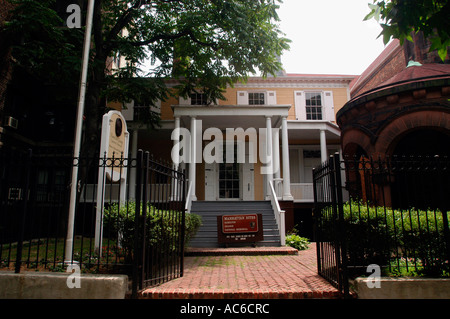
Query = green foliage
x=193 y=223
x=160 y=225
x=205 y=45
x=41 y=45
x=379 y=235
x=401 y=18
x=297 y=242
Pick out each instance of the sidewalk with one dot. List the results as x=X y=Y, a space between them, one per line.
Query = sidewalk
x=247 y=277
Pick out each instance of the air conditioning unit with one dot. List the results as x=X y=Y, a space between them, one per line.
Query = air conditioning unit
x=11 y=122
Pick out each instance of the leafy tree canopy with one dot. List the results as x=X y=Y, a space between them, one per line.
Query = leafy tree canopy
x=401 y=18
x=204 y=44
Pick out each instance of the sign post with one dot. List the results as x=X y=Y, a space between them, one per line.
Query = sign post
x=114 y=145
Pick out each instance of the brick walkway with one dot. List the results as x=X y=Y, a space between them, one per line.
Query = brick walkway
x=247 y=277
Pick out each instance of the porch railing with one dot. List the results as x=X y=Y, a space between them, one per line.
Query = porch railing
x=279 y=214
x=188 y=204
x=302 y=191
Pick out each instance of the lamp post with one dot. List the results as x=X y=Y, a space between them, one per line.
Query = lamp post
x=78 y=131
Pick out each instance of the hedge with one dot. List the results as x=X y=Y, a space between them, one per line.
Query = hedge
x=385 y=236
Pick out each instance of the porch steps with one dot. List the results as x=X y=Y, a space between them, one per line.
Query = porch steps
x=206 y=236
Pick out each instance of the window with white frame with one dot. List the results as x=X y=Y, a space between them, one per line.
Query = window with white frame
x=198 y=99
x=313 y=105
x=145 y=108
x=256 y=98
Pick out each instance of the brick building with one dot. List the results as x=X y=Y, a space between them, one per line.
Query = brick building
x=400 y=106
x=404 y=90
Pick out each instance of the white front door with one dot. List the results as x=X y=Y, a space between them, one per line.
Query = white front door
x=211 y=181
x=229 y=181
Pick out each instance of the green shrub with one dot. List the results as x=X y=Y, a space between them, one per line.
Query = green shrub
x=297 y=242
x=160 y=224
x=193 y=223
x=377 y=234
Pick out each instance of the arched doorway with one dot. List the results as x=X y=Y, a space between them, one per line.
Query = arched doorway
x=423 y=142
x=353 y=154
x=418 y=180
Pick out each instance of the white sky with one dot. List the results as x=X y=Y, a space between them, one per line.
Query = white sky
x=329 y=36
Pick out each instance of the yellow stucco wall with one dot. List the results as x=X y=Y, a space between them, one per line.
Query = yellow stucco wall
x=285 y=96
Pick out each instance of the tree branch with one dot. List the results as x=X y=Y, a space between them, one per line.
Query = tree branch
x=175 y=36
x=121 y=23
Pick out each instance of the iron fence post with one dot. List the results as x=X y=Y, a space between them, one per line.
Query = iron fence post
x=24 y=211
x=316 y=217
x=181 y=181
x=135 y=277
x=143 y=227
x=341 y=225
x=335 y=220
x=444 y=207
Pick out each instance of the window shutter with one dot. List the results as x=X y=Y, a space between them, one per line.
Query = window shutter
x=128 y=112
x=300 y=105
x=242 y=98
x=328 y=106
x=157 y=107
x=271 y=98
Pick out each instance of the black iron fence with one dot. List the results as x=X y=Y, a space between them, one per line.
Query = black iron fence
x=129 y=216
x=393 y=213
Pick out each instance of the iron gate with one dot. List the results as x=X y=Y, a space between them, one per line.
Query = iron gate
x=390 y=212
x=328 y=214
x=159 y=224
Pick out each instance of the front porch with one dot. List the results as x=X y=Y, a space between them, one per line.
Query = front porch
x=232 y=152
x=308 y=145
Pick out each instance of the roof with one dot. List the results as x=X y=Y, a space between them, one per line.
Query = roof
x=368 y=73
x=415 y=73
x=295 y=77
x=411 y=78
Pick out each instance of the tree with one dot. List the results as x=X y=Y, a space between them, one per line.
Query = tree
x=401 y=18
x=206 y=44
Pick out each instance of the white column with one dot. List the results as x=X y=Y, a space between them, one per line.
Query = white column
x=176 y=144
x=134 y=146
x=269 y=153
x=323 y=146
x=276 y=162
x=176 y=158
x=286 y=169
x=192 y=164
x=276 y=152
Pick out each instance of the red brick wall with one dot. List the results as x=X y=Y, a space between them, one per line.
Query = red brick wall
x=393 y=66
x=386 y=69
x=396 y=61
